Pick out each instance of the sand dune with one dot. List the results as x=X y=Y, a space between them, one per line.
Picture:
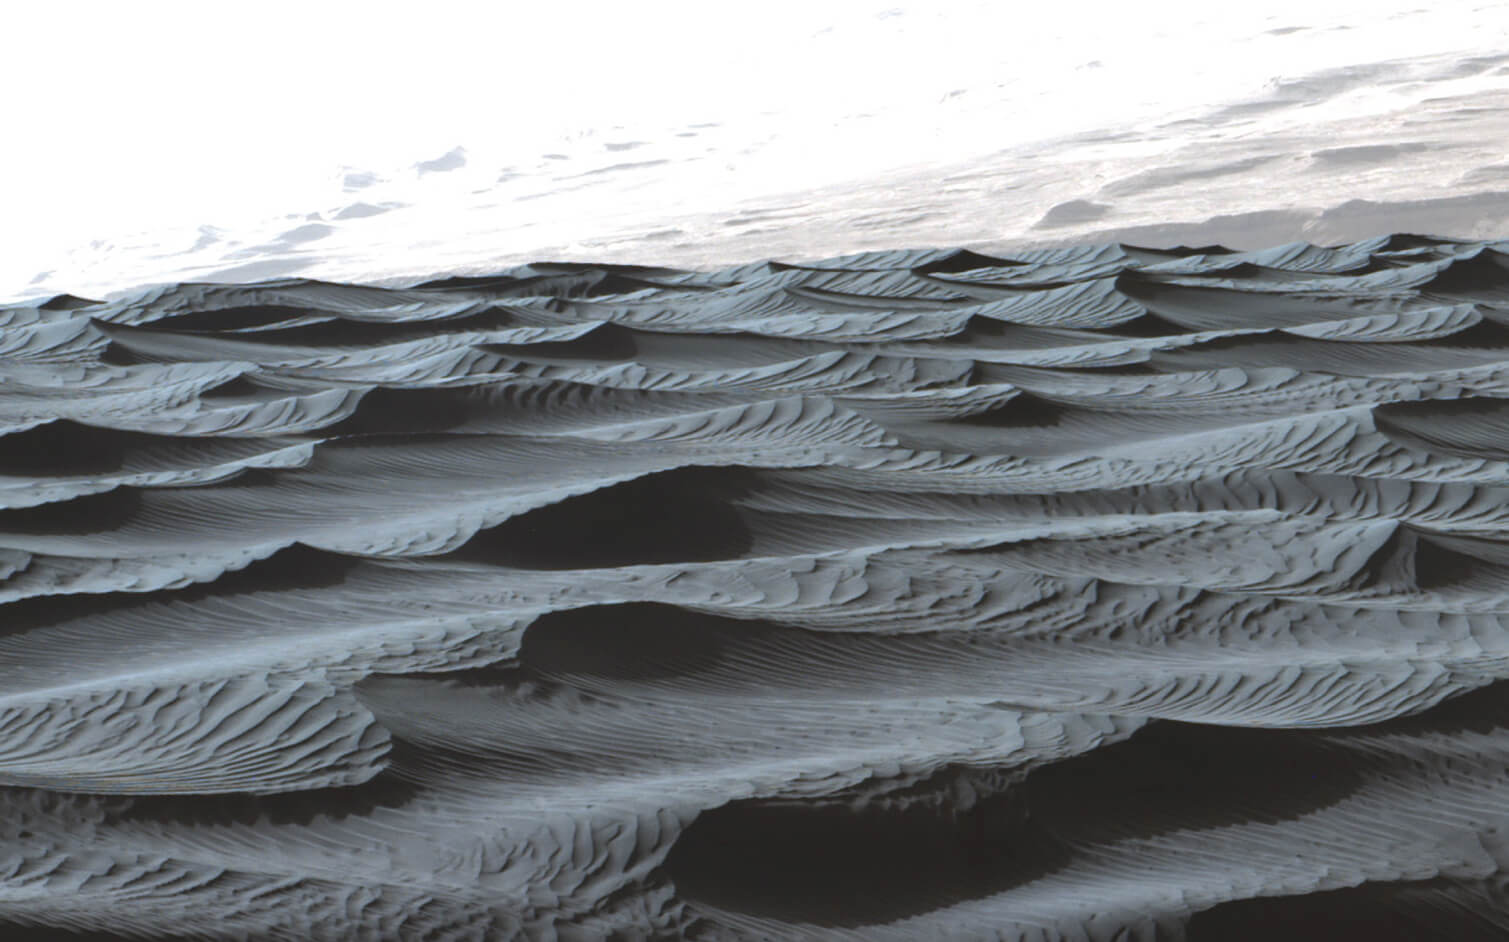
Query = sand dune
x=1098 y=592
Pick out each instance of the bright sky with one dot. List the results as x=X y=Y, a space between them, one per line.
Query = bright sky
x=124 y=117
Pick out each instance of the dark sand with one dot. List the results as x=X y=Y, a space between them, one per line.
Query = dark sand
x=1085 y=593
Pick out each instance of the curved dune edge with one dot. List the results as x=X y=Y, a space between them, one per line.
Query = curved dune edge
x=1100 y=592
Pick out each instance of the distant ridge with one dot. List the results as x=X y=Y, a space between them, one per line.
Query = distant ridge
x=1100 y=592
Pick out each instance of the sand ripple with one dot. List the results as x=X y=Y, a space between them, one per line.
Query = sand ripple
x=1090 y=593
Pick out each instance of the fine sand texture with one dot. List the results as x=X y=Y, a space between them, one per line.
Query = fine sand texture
x=1088 y=593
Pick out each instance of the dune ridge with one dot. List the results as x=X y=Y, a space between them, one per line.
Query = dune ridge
x=1097 y=592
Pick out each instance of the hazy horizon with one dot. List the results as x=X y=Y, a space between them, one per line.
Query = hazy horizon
x=170 y=141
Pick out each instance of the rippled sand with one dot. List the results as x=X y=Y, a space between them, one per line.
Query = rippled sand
x=1087 y=593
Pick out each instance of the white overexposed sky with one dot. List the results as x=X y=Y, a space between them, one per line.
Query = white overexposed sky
x=126 y=120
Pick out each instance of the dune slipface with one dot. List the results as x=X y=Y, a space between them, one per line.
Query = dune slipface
x=1093 y=593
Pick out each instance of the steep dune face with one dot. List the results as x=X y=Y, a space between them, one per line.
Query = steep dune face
x=1099 y=592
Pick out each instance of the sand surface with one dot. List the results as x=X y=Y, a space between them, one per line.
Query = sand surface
x=1098 y=592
